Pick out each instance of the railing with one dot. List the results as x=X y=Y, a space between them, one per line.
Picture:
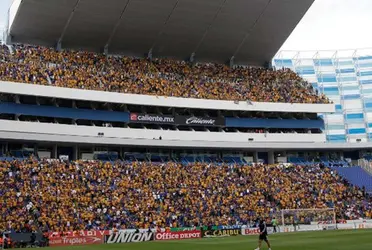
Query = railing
x=366 y=165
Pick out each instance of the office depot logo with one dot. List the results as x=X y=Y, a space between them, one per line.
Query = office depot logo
x=182 y=235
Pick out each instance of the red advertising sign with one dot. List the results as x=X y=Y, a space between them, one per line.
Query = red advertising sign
x=81 y=237
x=75 y=240
x=182 y=235
x=250 y=231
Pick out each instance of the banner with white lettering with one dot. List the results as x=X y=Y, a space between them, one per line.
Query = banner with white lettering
x=220 y=233
x=200 y=121
x=128 y=236
x=180 y=235
x=151 y=118
x=256 y=231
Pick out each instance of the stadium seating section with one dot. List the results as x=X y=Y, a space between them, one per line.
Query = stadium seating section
x=161 y=77
x=59 y=196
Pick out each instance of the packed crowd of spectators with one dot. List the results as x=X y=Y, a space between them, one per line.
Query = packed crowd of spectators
x=161 y=77
x=51 y=195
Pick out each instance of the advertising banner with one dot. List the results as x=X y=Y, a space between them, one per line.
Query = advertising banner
x=230 y=227
x=80 y=233
x=75 y=240
x=256 y=231
x=179 y=229
x=180 y=235
x=220 y=233
x=128 y=236
x=153 y=119
x=250 y=231
x=200 y=121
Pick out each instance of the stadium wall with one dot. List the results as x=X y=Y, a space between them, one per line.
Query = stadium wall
x=346 y=78
x=33 y=131
x=99 y=96
x=113 y=116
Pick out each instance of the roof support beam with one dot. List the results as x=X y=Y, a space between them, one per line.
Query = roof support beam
x=251 y=28
x=210 y=26
x=164 y=24
x=59 y=42
x=113 y=32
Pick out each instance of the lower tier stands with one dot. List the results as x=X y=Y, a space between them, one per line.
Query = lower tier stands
x=65 y=196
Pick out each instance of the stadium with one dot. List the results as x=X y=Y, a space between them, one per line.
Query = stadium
x=176 y=124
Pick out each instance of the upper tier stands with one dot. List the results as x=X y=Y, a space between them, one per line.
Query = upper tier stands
x=162 y=77
x=58 y=196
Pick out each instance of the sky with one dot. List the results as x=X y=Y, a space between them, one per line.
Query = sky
x=328 y=25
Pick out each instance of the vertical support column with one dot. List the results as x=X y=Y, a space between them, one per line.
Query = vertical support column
x=232 y=61
x=36 y=150
x=106 y=50
x=59 y=45
x=255 y=156
x=192 y=57
x=271 y=158
x=75 y=155
x=149 y=55
x=6 y=148
x=55 y=152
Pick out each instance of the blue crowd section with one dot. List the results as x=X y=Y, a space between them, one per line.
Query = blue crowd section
x=274 y=123
x=59 y=112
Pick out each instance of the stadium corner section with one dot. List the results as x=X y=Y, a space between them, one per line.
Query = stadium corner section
x=75 y=238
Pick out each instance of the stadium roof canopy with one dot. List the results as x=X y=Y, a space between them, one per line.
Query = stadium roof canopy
x=214 y=30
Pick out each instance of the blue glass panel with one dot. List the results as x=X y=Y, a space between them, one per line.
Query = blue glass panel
x=283 y=62
x=366 y=81
x=335 y=127
x=355 y=116
x=336 y=138
x=338 y=107
x=347 y=79
x=351 y=97
x=354 y=131
x=345 y=70
x=365 y=58
x=306 y=72
x=327 y=79
x=366 y=73
x=366 y=91
x=343 y=63
x=323 y=62
x=331 y=92
x=365 y=65
x=368 y=105
x=350 y=87
x=331 y=89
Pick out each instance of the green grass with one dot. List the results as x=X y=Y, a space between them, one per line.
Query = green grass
x=321 y=240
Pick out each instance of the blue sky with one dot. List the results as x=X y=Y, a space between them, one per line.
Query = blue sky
x=329 y=24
